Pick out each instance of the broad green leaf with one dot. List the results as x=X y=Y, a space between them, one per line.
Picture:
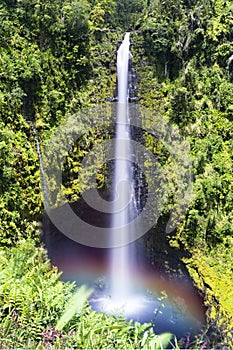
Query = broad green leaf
x=74 y=306
x=158 y=342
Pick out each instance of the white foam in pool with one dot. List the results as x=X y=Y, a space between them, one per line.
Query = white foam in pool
x=134 y=305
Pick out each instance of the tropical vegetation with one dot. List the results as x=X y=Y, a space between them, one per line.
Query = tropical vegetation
x=59 y=56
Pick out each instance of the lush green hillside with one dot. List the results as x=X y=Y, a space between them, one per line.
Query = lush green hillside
x=186 y=70
x=58 y=56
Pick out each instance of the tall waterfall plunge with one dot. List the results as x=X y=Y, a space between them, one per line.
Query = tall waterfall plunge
x=121 y=287
x=123 y=184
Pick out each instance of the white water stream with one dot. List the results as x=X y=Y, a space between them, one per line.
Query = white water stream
x=123 y=184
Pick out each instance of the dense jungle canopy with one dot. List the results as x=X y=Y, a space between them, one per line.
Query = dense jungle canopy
x=58 y=56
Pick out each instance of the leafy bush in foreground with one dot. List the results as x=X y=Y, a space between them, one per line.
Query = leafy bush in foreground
x=36 y=309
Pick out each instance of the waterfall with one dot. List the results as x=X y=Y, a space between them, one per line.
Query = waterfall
x=123 y=183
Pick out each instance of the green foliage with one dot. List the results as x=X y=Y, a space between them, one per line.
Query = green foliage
x=19 y=186
x=103 y=14
x=31 y=294
x=44 y=55
x=197 y=96
x=158 y=342
x=185 y=66
x=129 y=13
x=46 y=60
x=57 y=56
x=74 y=307
x=37 y=310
